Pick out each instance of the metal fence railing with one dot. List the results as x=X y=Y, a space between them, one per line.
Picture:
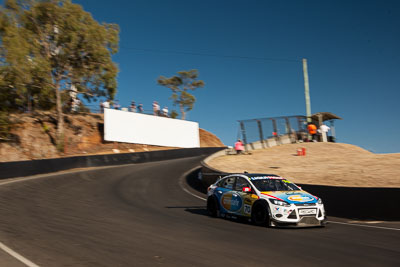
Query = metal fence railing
x=267 y=132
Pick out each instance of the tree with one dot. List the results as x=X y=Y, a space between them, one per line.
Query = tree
x=47 y=46
x=180 y=85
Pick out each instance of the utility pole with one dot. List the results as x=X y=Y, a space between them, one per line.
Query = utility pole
x=307 y=90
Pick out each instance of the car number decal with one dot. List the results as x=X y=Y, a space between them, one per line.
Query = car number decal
x=247 y=209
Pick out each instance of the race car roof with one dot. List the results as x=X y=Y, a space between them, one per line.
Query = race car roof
x=260 y=174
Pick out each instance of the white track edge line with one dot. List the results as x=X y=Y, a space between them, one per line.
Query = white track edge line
x=362 y=225
x=183 y=187
x=353 y=224
x=17 y=256
x=34 y=177
x=45 y=175
x=187 y=191
x=8 y=250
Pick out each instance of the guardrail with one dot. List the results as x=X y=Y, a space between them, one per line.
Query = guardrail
x=365 y=203
x=32 y=167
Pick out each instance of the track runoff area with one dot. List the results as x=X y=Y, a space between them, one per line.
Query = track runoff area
x=146 y=214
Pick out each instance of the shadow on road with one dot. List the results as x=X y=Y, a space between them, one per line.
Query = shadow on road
x=199 y=210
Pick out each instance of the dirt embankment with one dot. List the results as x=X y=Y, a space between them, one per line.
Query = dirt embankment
x=33 y=137
x=325 y=163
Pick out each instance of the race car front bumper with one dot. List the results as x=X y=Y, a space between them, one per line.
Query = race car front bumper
x=298 y=216
x=306 y=221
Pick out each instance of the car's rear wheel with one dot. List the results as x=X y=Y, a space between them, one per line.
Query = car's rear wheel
x=212 y=206
x=260 y=214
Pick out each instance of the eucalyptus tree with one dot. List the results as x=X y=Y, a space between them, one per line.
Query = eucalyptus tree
x=50 y=45
x=181 y=85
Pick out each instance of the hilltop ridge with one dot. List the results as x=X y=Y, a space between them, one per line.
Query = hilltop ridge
x=335 y=164
x=32 y=137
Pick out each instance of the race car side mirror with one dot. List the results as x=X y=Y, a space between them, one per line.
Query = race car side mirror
x=246 y=189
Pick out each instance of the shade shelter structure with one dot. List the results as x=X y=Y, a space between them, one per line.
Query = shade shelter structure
x=272 y=131
x=320 y=117
x=324 y=116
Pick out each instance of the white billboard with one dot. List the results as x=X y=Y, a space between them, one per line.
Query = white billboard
x=131 y=127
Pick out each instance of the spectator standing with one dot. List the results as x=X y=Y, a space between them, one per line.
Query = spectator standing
x=312 y=130
x=101 y=107
x=156 y=108
x=106 y=104
x=73 y=92
x=165 y=112
x=239 y=147
x=133 y=106
x=75 y=105
x=140 y=108
x=117 y=105
x=324 y=131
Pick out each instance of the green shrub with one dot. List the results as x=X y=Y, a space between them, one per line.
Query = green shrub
x=46 y=128
x=174 y=114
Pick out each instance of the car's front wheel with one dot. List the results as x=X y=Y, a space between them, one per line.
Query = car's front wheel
x=260 y=214
x=212 y=206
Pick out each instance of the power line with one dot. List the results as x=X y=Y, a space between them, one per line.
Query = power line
x=208 y=55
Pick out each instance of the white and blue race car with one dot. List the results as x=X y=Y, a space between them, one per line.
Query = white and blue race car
x=267 y=199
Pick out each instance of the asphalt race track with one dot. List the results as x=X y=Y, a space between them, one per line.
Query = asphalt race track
x=140 y=215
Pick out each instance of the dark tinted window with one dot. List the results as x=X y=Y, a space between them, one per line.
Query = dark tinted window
x=227 y=183
x=240 y=183
x=274 y=185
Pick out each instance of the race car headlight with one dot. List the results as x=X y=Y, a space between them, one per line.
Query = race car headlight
x=280 y=202
x=319 y=201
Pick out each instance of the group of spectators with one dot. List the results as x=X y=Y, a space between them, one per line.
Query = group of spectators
x=135 y=108
x=315 y=132
x=159 y=112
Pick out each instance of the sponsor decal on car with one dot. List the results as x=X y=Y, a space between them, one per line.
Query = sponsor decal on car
x=265 y=177
x=231 y=202
x=247 y=201
x=265 y=194
x=287 y=211
x=300 y=198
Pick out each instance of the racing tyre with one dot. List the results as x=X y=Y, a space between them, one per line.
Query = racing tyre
x=212 y=206
x=260 y=214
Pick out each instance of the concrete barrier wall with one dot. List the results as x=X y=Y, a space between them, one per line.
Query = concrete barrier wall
x=363 y=203
x=32 y=167
x=373 y=203
x=270 y=142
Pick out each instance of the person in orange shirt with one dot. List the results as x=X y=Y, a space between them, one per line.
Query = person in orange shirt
x=312 y=130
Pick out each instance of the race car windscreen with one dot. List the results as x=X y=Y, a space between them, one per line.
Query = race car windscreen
x=274 y=185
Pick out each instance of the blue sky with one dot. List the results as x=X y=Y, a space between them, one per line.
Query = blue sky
x=352 y=48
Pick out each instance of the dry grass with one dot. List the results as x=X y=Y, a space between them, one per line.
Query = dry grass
x=324 y=163
x=35 y=135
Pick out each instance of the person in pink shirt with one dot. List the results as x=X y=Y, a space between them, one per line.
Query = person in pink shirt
x=239 y=147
